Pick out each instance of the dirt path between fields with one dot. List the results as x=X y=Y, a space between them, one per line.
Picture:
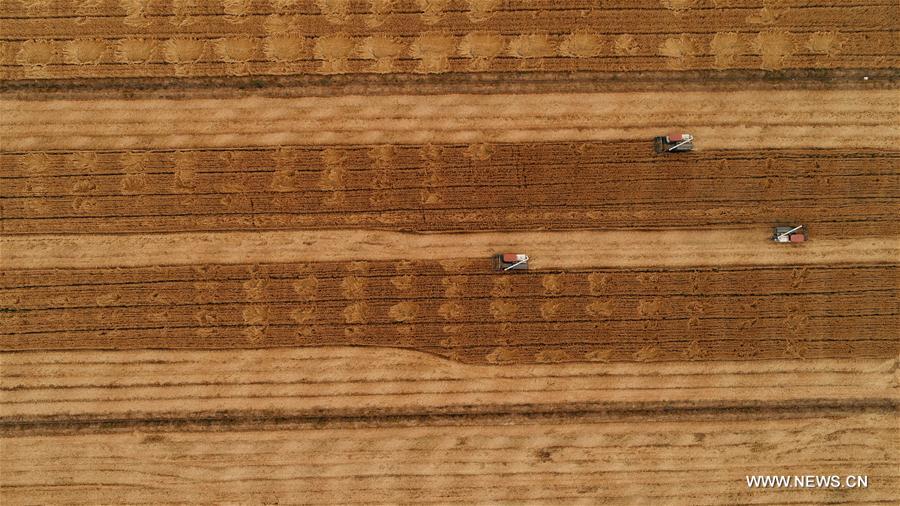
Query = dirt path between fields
x=720 y=120
x=670 y=248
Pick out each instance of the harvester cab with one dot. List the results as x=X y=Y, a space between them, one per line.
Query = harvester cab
x=674 y=143
x=510 y=262
x=790 y=234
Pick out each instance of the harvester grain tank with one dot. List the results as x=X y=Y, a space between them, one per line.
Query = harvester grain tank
x=674 y=143
x=510 y=262
x=793 y=234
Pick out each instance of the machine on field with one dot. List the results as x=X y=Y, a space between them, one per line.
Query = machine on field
x=510 y=262
x=790 y=234
x=674 y=143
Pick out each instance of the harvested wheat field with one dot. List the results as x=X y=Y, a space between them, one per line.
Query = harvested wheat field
x=246 y=252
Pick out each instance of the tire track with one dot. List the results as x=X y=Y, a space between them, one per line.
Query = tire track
x=718 y=280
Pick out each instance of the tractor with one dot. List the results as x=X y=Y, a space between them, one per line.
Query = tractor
x=510 y=262
x=790 y=234
x=674 y=143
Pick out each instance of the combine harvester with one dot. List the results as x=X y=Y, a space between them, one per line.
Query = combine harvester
x=510 y=262
x=790 y=234
x=674 y=143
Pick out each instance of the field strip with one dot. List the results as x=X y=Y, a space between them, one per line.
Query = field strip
x=576 y=249
x=89 y=40
x=845 y=193
x=719 y=120
x=137 y=384
x=485 y=82
x=692 y=461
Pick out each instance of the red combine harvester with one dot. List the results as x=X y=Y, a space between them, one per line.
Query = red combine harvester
x=674 y=143
x=510 y=262
x=790 y=234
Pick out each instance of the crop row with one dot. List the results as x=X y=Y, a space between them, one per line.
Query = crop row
x=783 y=337
x=452 y=162
x=421 y=281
